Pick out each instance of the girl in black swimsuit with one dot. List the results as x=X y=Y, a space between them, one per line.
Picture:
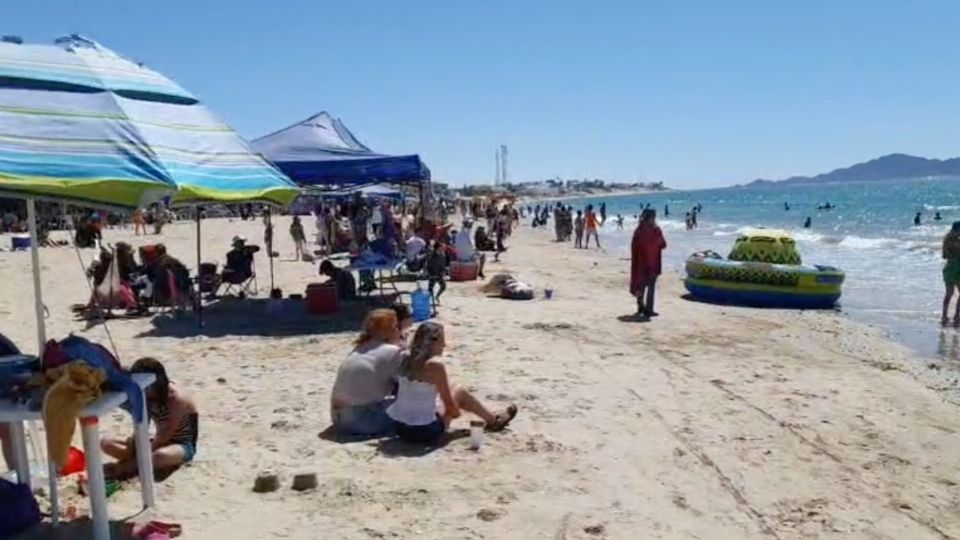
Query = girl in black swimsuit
x=177 y=426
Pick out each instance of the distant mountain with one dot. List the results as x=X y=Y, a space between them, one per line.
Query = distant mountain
x=891 y=167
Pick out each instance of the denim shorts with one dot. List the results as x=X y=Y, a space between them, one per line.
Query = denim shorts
x=189 y=451
x=369 y=419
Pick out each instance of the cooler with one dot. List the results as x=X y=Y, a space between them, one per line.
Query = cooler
x=321 y=299
x=20 y=241
x=464 y=271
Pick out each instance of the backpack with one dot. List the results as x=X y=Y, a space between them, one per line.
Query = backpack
x=18 y=509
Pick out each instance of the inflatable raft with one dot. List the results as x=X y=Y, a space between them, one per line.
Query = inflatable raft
x=764 y=269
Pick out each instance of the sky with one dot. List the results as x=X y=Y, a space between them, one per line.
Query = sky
x=692 y=93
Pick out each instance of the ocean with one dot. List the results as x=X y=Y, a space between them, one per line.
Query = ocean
x=893 y=267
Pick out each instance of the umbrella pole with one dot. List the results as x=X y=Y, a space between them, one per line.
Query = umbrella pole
x=199 y=299
x=270 y=250
x=35 y=260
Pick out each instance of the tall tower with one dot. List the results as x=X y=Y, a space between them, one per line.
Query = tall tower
x=496 y=157
x=504 y=177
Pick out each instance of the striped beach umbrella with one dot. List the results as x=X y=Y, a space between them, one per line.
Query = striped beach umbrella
x=81 y=123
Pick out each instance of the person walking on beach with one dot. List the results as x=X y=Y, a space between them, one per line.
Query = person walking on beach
x=139 y=222
x=951 y=272
x=591 y=228
x=646 y=252
x=299 y=237
x=578 y=230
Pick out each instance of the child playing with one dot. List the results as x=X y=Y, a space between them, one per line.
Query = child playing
x=177 y=426
x=436 y=265
x=299 y=237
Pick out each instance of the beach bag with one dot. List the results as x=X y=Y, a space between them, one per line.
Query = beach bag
x=18 y=509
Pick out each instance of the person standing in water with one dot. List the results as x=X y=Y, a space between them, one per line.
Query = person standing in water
x=666 y=210
x=786 y=206
x=603 y=212
x=806 y=224
x=936 y=217
x=646 y=252
x=619 y=222
x=951 y=271
x=916 y=219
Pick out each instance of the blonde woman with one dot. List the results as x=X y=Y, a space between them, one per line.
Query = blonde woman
x=427 y=401
x=364 y=385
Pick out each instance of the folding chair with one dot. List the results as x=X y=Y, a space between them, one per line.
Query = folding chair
x=238 y=275
x=241 y=285
x=208 y=279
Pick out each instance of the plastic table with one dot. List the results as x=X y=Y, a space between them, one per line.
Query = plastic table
x=389 y=266
x=16 y=414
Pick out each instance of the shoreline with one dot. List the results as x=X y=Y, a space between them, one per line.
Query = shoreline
x=709 y=422
x=611 y=194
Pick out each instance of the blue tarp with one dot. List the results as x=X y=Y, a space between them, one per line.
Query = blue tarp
x=321 y=151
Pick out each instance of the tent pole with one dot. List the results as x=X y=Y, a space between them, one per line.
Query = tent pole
x=199 y=298
x=423 y=210
x=35 y=260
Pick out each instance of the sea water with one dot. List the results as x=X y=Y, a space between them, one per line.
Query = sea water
x=893 y=267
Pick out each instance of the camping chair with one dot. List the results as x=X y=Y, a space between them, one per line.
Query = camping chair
x=174 y=294
x=208 y=279
x=238 y=275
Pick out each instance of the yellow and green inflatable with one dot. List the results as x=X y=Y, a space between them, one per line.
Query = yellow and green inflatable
x=763 y=269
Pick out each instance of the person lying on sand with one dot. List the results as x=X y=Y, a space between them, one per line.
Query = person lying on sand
x=419 y=416
x=177 y=427
x=365 y=380
x=509 y=287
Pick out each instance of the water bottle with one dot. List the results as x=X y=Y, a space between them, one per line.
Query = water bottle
x=420 y=304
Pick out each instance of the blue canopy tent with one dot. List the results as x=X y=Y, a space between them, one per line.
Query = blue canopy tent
x=321 y=151
x=367 y=192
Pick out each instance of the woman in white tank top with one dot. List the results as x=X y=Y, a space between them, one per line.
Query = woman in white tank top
x=426 y=401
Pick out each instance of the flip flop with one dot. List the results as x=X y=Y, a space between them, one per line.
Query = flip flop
x=157 y=530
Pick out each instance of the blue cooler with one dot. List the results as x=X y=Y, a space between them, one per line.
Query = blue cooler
x=20 y=241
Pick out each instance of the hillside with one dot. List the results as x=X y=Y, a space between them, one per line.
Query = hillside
x=888 y=167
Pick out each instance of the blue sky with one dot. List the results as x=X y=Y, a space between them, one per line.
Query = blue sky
x=694 y=93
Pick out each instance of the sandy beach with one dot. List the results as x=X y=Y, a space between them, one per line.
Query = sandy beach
x=709 y=422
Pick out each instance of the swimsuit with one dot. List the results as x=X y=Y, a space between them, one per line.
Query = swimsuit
x=187 y=431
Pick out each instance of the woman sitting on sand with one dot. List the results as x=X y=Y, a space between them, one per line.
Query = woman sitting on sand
x=365 y=379
x=419 y=416
x=177 y=427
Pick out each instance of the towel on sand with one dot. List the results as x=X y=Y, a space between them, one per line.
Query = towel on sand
x=77 y=385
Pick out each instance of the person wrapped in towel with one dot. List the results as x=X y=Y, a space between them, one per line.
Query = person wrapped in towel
x=508 y=287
